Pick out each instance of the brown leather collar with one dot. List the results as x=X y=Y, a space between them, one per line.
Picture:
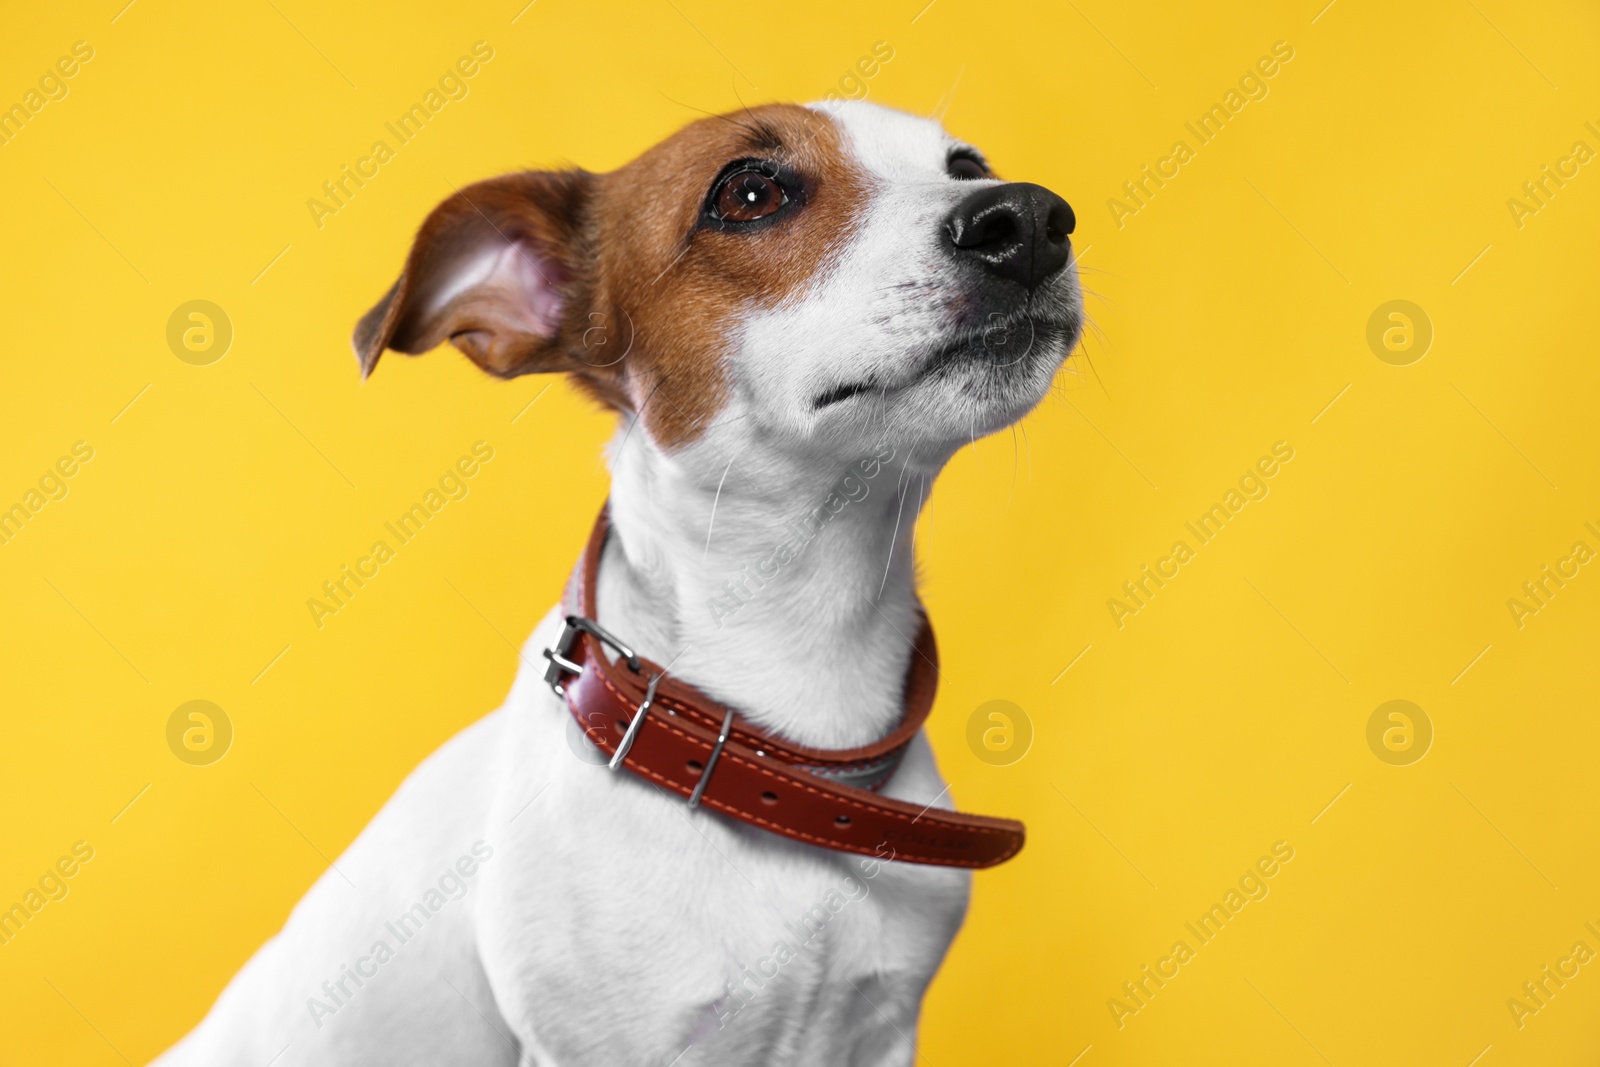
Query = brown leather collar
x=681 y=739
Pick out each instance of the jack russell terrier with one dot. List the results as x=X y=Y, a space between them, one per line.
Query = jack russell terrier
x=801 y=313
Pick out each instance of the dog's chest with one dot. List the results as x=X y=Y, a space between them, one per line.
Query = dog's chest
x=619 y=922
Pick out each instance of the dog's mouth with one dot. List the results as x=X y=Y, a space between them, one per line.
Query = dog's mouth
x=1009 y=342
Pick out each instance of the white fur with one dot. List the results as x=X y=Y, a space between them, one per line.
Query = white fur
x=610 y=922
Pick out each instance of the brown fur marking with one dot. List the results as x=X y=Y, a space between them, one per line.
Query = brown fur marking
x=634 y=269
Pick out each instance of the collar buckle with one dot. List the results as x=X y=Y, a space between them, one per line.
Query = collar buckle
x=560 y=657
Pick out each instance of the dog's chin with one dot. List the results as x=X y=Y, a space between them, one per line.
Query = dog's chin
x=976 y=384
x=961 y=387
x=1005 y=356
x=1008 y=353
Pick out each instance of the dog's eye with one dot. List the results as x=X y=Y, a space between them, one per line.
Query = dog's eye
x=747 y=196
x=966 y=167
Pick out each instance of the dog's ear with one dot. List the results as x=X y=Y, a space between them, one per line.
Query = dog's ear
x=498 y=270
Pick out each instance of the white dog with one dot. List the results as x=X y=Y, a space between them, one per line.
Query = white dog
x=802 y=313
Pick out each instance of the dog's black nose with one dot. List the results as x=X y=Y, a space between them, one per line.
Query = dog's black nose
x=1017 y=231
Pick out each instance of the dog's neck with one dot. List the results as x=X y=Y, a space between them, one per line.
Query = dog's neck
x=812 y=643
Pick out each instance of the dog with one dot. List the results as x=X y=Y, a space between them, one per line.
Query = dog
x=800 y=314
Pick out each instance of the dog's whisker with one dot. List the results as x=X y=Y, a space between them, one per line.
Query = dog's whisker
x=1014 y=464
x=712 y=523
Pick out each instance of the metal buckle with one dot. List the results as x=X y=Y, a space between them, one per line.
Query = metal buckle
x=560 y=657
x=562 y=664
x=711 y=762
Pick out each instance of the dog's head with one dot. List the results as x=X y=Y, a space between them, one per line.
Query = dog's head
x=825 y=277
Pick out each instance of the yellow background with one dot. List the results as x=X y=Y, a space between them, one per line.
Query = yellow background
x=1223 y=717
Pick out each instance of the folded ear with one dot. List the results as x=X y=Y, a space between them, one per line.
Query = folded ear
x=498 y=270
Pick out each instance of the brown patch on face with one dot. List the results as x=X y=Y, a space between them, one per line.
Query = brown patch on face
x=685 y=286
x=566 y=271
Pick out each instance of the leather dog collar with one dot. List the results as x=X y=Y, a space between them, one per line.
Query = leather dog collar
x=672 y=734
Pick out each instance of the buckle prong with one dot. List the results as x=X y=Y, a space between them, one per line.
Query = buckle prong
x=563 y=662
